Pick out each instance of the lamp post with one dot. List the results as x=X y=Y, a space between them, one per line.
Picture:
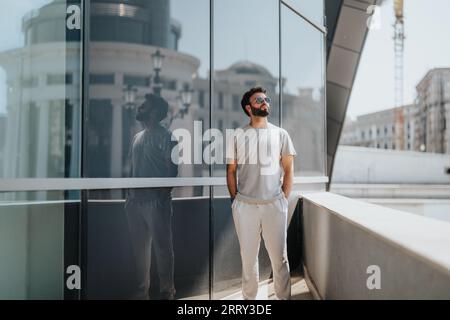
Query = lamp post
x=186 y=101
x=128 y=123
x=129 y=96
x=157 y=58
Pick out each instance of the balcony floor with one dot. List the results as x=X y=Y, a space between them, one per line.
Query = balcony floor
x=299 y=291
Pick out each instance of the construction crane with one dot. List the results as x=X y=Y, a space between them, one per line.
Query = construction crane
x=399 y=37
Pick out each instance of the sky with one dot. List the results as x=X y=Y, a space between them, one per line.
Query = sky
x=427 y=46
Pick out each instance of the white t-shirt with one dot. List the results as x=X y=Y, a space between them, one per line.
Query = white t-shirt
x=258 y=152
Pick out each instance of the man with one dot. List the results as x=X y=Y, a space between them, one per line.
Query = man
x=259 y=189
x=149 y=211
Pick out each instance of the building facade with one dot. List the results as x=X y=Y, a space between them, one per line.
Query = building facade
x=433 y=99
x=421 y=126
x=388 y=129
x=72 y=76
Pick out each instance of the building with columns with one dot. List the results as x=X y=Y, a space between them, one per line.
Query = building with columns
x=382 y=129
x=433 y=100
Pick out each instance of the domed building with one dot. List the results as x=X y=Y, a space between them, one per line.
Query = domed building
x=248 y=74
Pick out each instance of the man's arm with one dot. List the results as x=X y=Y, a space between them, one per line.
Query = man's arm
x=173 y=167
x=231 y=179
x=288 y=166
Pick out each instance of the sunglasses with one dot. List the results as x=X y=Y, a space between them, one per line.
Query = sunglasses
x=260 y=100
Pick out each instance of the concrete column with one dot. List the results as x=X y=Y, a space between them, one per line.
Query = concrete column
x=43 y=141
x=116 y=139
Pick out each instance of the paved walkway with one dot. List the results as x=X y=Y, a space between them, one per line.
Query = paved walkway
x=299 y=291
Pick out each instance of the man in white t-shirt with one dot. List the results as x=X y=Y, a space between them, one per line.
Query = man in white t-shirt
x=259 y=178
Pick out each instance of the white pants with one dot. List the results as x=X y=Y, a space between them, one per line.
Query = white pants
x=250 y=220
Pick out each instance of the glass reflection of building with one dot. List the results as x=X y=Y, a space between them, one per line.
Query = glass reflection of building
x=123 y=38
x=49 y=132
x=42 y=97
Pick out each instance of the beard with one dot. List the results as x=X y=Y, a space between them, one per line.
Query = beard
x=141 y=116
x=258 y=112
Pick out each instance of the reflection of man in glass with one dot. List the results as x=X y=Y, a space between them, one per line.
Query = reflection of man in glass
x=149 y=210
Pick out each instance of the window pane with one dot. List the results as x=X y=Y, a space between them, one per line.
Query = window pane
x=136 y=81
x=303 y=113
x=245 y=55
x=147 y=241
x=169 y=68
x=311 y=9
x=101 y=78
x=39 y=93
x=37 y=243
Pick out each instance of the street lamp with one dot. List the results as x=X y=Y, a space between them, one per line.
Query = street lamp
x=128 y=123
x=129 y=96
x=186 y=99
x=157 y=58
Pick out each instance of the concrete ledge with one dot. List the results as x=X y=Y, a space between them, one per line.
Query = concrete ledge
x=371 y=165
x=395 y=191
x=343 y=237
x=311 y=286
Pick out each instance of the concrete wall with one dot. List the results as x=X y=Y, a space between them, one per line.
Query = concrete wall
x=343 y=237
x=437 y=209
x=392 y=191
x=368 y=165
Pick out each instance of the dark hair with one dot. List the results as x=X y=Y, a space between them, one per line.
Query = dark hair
x=246 y=97
x=153 y=102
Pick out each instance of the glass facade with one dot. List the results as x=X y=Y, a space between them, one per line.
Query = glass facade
x=40 y=90
x=310 y=9
x=177 y=253
x=245 y=55
x=141 y=66
x=142 y=92
x=37 y=243
x=303 y=94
